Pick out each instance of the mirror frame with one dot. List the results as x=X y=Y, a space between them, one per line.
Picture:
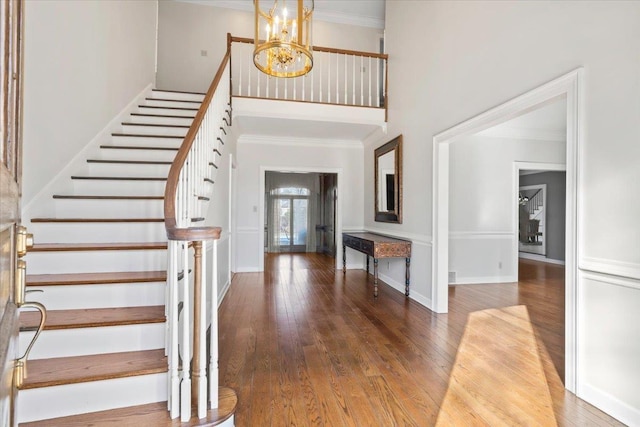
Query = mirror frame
x=394 y=216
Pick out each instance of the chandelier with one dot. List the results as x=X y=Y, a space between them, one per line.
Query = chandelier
x=283 y=38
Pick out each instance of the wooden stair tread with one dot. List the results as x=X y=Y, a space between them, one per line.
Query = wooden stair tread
x=93 y=317
x=136 y=147
x=96 y=197
x=169 y=108
x=96 y=278
x=152 y=414
x=161 y=115
x=97 y=220
x=125 y=246
x=121 y=178
x=155 y=125
x=173 y=100
x=139 y=135
x=177 y=91
x=130 y=162
x=96 y=367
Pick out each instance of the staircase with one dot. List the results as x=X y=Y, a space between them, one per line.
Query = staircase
x=101 y=261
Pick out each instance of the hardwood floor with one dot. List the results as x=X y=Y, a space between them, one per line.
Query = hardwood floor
x=303 y=344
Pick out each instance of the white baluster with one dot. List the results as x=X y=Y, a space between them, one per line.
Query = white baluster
x=286 y=88
x=172 y=320
x=328 y=77
x=240 y=74
x=369 y=81
x=202 y=333
x=337 y=79
x=378 y=82
x=277 y=88
x=312 y=79
x=353 y=81
x=185 y=386
x=213 y=338
x=345 y=78
x=304 y=85
x=320 y=83
x=361 y=74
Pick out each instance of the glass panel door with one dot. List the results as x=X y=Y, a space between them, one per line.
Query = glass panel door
x=300 y=223
x=284 y=223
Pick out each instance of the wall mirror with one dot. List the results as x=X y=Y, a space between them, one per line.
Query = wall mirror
x=388 y=181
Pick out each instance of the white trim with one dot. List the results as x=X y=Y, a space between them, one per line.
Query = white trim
x=338 y=225
x=288 y=141
x=541 y=258
x=628 y=270
x=421 y=239
x=570 y=86
x=484 y=280
x=79 y=160
x=609 y=279
x=609 y=404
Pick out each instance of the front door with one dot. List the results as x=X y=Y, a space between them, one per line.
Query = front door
x=10 y=168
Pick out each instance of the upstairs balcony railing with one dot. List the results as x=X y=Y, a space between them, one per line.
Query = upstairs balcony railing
x=338 y=77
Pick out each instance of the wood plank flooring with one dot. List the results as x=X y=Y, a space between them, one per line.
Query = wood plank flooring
x=304 y=345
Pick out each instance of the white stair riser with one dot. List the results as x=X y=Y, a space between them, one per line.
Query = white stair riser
x=119 y=187
x=64 y=400
x=170 y=104
x=74 y=208
x=127 y=169
x=71 y=297
x=92 y=261
x=131 y=154
x=176 y=95
x=98 y=232
x=87 y=341
x=154 y=130
x=161 y=120
x=145 y=141
x=167 y=111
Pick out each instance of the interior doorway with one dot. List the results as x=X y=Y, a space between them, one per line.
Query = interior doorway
x=300 y=212
x=568 y=86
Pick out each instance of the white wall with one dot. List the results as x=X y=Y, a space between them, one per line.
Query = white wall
x=185 y=29
x=84 y=62
x=255 y=154
x=481 y=186
x=476 y=55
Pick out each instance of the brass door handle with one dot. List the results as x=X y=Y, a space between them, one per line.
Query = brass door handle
x=20 y=370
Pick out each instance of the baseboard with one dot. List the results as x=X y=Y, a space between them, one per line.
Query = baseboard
x=417 y=297
x=609 y=404
x=248 y=270
x=223 y=292
x=541 y=258
x=485 y=280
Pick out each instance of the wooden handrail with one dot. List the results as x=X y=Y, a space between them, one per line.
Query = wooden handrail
x=170 y=191
x=325 y=49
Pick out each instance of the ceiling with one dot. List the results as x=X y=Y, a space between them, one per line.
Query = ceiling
x=366 y=13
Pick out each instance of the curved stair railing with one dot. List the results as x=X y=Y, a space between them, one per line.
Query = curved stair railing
x=187 y=192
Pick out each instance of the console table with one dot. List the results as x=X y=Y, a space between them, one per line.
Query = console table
x=377 y=246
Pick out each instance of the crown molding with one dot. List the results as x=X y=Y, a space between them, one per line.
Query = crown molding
x=298 y=142
x=334 y=17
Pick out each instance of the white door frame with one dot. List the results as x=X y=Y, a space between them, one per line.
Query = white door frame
x=338 y=224
x=571 y=86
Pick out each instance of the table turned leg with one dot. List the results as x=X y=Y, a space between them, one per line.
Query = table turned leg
x=406 y=282
x=375 y=277
x=367 y=263
x=344 y=259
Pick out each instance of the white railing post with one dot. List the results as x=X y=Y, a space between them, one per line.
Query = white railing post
x=213 y=334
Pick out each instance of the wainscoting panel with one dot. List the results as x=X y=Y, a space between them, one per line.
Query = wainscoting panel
x=609 y=342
